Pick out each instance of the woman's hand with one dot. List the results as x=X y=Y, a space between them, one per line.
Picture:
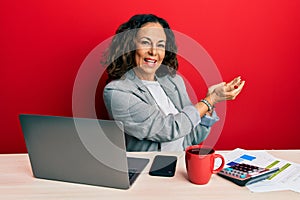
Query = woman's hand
x=225 y=91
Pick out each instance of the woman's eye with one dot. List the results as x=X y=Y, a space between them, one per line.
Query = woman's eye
x=145 y=43
x=161 y=46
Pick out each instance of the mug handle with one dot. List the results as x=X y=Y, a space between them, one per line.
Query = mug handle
x=222 y=165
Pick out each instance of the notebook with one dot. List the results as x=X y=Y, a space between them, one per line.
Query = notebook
x=79 y=150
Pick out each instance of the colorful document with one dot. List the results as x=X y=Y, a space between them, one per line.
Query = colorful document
x=286 y=178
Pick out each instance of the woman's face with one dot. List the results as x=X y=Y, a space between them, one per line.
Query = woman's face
x=150 y=50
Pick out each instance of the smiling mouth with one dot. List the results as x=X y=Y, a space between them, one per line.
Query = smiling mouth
x=149 y=60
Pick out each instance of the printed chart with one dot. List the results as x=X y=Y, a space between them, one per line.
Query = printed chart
x=286 y=178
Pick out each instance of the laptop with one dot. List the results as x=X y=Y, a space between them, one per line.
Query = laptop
x=79 y=150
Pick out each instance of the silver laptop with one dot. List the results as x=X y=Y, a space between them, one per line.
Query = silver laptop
x=79 y=150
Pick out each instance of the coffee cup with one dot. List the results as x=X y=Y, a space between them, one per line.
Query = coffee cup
x=200 y=161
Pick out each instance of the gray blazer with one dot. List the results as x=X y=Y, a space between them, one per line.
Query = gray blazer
x=129 y=101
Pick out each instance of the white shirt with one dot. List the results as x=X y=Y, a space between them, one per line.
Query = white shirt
x=167 y=107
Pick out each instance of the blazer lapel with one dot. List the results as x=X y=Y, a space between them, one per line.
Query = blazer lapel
x=141 y=90
x=171 y=90
x=166 y=82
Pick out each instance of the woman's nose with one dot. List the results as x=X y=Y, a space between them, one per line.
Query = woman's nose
x=152 y=51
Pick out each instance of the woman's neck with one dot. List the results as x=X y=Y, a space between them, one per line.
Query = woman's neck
x=143 y=76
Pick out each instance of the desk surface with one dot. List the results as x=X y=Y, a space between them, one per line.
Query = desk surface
x=17 y=182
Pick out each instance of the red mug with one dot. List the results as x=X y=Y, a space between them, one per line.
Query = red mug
x=200 y=162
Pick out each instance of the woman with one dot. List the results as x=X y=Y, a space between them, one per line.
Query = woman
x=147 y=95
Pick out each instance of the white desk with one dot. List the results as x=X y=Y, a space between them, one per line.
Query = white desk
x=17 y=182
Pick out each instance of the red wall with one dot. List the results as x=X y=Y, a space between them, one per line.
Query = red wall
x=43 y=43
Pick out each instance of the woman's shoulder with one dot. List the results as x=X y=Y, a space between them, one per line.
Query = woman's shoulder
x=120 y=84
x=176 y=79
x=127 y=82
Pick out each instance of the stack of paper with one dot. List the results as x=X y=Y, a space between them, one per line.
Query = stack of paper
x=287 y=178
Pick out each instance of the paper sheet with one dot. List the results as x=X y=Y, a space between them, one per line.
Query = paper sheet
x=287 y=178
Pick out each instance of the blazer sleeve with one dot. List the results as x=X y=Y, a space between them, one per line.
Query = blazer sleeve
x=196 y=136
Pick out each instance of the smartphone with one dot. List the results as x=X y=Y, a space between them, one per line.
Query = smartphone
x=163 y=165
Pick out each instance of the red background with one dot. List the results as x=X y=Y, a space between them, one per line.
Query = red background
x=43 y=43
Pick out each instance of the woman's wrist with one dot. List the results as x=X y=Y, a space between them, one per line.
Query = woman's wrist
x=208 y=104
x=205 y=106
x=211 y=99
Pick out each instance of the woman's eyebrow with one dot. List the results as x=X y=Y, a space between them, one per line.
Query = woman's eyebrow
x=162 y=41
x=145 y=37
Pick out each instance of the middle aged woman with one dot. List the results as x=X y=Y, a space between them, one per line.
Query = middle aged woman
x=147 y=95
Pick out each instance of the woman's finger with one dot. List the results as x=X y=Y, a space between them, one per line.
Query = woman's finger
x=236 y=91
x=235 y=80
